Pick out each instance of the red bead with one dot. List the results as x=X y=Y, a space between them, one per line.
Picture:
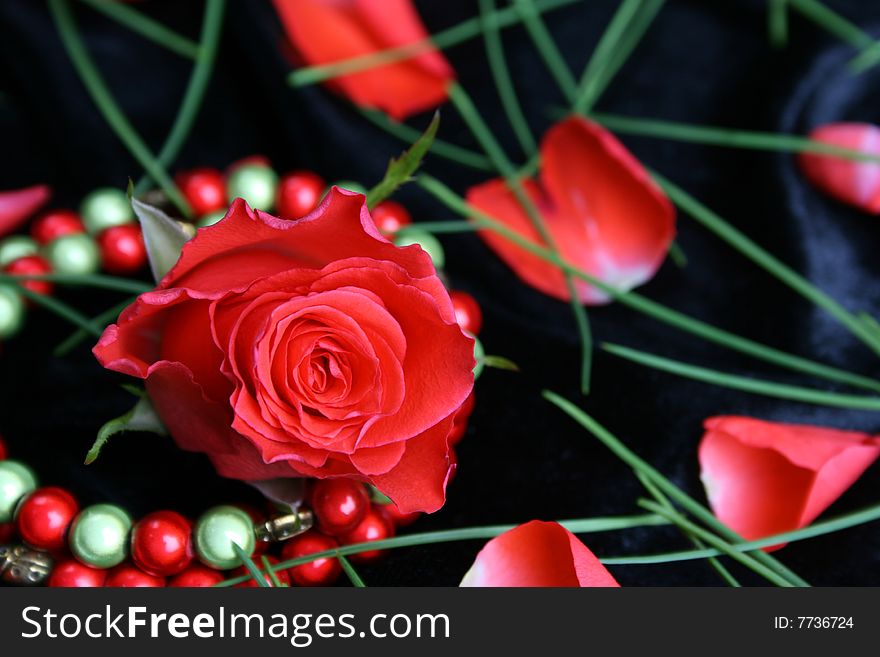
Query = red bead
x=281 y=575
x=467 y=312
x=126 y=575
x=73 y=574
x=44 y=516
x=161 y=543
x=196 y=576
x=320 y=572
x=3 y=451
x=204 y=189
x=394 y=516
x=32 y=265
x=339 y=505
x=373 y=527
x=7 y=532
x=122 y=249
x=390 y=217
x=56 y=223
x=299 y=192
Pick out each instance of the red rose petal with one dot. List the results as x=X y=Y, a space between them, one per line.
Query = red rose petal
x=764 y=478
x=325 y=31
x=853 y=182
x=16 y=206
x=604 y=213
x=537 y=554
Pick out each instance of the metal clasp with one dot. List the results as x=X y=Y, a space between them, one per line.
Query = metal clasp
x=284 y=527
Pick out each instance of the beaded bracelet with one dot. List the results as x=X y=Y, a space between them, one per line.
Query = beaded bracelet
x=63 y=545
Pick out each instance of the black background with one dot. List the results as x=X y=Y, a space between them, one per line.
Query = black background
x=700 y=62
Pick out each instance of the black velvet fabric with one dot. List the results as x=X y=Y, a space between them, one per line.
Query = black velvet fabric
x=700 y=62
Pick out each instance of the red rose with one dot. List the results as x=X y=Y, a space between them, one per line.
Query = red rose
x=311 y=347
x=328 y=31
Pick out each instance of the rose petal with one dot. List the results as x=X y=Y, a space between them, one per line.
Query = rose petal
x=17 y=205
x=764 y=478
x=537 y=554
x=326 y=31
x=603 y=211
x=853 y=182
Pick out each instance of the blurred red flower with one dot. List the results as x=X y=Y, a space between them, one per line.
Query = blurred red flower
x=765 y=478
x=328 y=31
x=537 y=554
x=603 y=211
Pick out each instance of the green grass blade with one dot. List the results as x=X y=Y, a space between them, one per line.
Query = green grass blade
x=680 y=497
x=483 y=134
x=726 y=137
x=546 y=46
x=766 y=261
x=440 y=148
x=212 y=25
x=723 y=546
x=351 y=573
x=251 y=567
x=577 y=526
x=148 y=28
x=777 y=23
x=110 y=110
x=447 y=38
x=503 y=82
x=744 y=383
x=621 y=37
x=638 y=303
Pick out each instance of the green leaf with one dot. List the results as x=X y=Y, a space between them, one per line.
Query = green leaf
x=142 y=417
x=163 y=236
x=378 y=497
x=500 y=363
x=401 y=170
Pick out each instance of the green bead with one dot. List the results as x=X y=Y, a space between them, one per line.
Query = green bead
x=105 y=208
x=99 y=535
x=211 y=218
x=425 y=240
x=351 y=186
x=479 y=354
x=255 y=183
x=16 y=481
x=216 y=531
x=15 y=247
x=11 y=311
x=74 y=254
